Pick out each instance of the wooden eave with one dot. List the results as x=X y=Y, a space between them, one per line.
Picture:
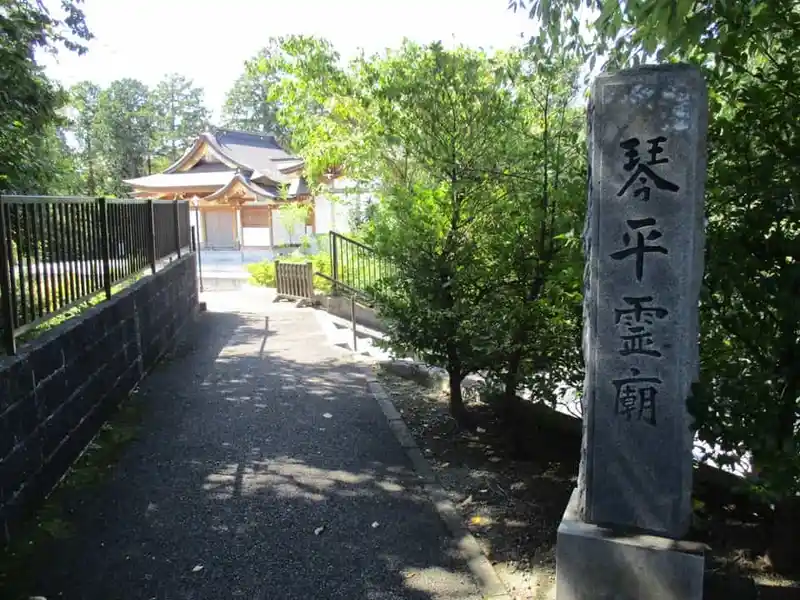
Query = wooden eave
x=204 y=144
x=240 y=188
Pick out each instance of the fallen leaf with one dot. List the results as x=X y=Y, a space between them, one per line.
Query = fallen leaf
x=197 y=568
x=319 y=530
x=477 y=520
x=466 y=500
x=495 y=459
x=327 y=415
x=375 y=524
x=480 y=430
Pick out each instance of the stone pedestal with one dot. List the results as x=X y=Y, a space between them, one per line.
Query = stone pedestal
x=596 y=563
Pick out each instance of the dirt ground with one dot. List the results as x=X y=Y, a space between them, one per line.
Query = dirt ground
x=512 y=483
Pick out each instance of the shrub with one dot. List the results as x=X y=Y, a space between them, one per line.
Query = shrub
x=263 y=273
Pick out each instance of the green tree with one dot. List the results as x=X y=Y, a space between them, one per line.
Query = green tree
x=316 y=104
x=531 y=245
x=444 y=118
x=179 y=116
x=248 y=104
x=748 y=400
x=84 y=98
x=124 y=126
x=29 y=102
x=294 y=215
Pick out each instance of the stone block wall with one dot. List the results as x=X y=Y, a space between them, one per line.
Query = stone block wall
x=60 y=388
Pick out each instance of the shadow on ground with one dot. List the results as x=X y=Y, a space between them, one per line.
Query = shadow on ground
x=263 y=469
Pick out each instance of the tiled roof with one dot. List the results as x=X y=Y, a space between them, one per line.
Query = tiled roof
x=255 y=158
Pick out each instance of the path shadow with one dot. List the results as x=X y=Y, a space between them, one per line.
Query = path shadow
x=255 y=476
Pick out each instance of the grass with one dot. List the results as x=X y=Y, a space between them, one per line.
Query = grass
x=60 y=317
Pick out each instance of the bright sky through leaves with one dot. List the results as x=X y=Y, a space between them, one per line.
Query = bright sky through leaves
x=208 y=41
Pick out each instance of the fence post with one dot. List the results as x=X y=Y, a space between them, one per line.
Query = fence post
x=176 y=215
x=310 y=282
x=5 y=285
x=151 y=234
x=199 y=256
x=105 y=244
x=277 y=277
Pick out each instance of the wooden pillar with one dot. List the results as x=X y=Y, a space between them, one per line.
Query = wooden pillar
x=239 y=228
x=272 y=226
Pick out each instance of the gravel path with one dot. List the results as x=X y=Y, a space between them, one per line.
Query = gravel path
x=264 y=470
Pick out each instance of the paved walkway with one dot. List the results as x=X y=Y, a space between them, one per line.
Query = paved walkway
x=265 y=470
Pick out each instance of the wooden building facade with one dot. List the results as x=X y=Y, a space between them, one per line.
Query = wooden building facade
x=238 y=182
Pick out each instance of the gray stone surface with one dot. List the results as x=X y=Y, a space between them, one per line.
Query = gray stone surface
x=262 y=465
x=599 y=564
x=644 y=250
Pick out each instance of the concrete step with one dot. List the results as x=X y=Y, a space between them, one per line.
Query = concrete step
x=340 y=334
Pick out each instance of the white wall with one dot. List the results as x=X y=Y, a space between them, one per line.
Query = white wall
x=256 y=236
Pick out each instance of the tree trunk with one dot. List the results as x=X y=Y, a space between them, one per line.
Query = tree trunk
x=784 y=550
x=457 y=408
x=511 y=379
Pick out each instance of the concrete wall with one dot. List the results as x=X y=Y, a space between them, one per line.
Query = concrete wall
x=341 y=307
x=57 y=392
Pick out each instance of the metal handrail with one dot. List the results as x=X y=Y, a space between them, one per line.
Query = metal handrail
x=351 y=290
x=352 y=241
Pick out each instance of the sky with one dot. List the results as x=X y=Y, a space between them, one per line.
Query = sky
x=208 y=41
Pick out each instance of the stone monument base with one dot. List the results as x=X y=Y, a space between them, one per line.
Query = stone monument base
x=597 y=563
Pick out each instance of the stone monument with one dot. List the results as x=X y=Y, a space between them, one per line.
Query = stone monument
x=620 y=535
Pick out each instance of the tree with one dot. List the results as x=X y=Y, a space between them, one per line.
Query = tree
x=125 y=132
x=248 y=104
x=748 y=400
x=294 y=215
x=179 y=116
x=531 y=241
x=84 y=98
x=315 y=102
x=29 y=102
x=444 y=117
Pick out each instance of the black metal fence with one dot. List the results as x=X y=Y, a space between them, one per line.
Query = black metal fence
x=57 y=253
x=356 y=265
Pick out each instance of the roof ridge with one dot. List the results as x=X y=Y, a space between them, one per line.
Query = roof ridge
x=258 y=134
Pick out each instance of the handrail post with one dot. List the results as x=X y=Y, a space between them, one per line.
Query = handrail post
x=105 y=244
x=176 y=214
x=353 y=318
x=151 y=234
x=9 y=341
x=334 y=262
